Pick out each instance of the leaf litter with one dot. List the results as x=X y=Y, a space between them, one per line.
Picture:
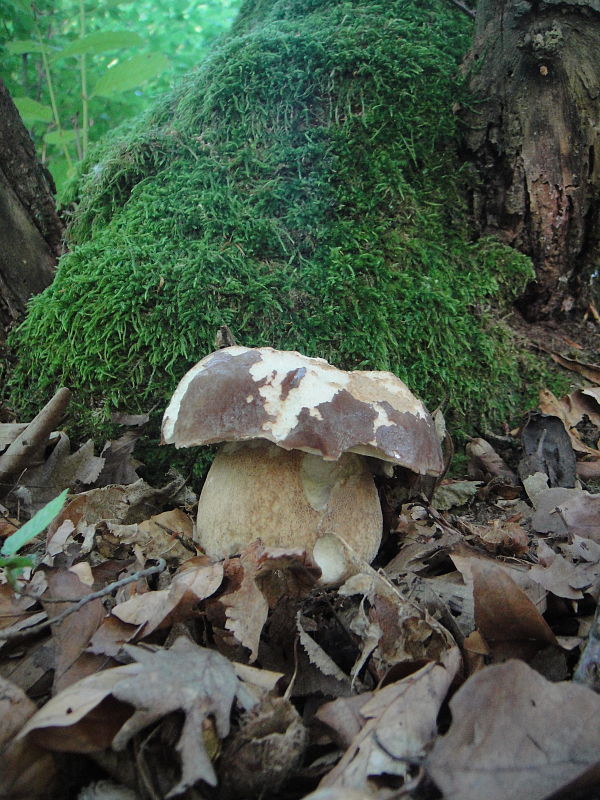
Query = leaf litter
x=462 y=664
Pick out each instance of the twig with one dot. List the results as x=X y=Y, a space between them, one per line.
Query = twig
x=468 y=11
x=13 y=634
x=17 y=456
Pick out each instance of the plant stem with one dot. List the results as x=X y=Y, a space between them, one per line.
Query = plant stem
x=51 y=91
x=84 y=94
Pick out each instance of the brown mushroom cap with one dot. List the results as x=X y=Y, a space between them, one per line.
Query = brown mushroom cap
x=301 y=403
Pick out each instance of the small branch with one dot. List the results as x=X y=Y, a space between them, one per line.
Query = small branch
x=470 y=12
x=12 y=634
x=35 y=435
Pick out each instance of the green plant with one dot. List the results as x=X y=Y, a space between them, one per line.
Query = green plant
x=76 y=68
x=10 y=562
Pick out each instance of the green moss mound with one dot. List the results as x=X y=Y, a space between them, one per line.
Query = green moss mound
x=301 y=187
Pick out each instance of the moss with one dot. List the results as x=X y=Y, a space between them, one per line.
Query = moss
x=302 y=187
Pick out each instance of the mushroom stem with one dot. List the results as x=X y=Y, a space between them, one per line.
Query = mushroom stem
x=290 y=499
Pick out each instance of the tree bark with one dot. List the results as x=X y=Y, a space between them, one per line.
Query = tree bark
x=30 y=228
x=532 y=132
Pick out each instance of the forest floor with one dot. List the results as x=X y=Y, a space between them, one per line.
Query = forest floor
x=463 y=663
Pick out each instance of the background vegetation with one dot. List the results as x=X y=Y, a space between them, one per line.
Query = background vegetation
x=77 y=68
x=302 y=186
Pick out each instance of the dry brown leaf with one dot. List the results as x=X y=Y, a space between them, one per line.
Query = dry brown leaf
x=316 y=655
x=516 y=735
x=454 y=493
x=167 y=535
x=9 y=432
x=26 y=771
x=564 y=410
x=264 y=751
x=559 y=576
x=245 y=606
x=588 y=470
x=589 y=371
x=506 y=618
x=466 y=558
x=408 y=633
x=14 y=609
x=499 y=536
x=485 y=463
x=193 y=679
x=122 y=504
x=71 y=637
x=400 y=721
x=568 y=511
x=110 y=637
x=79 y=719
x=343 y=717
x=196 y=579
x=62 y=470
x=119 y=465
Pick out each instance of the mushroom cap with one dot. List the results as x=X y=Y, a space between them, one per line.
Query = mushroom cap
x=301 y=403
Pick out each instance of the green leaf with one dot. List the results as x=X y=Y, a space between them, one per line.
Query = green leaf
x=101 y=42
x=60 y=137
x=36 y=524
x=131 y=73
x=20 y=46
x=22 y=5
x=32 y=111
x=16 y=562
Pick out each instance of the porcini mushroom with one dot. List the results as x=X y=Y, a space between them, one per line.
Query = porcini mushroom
x=293 y=471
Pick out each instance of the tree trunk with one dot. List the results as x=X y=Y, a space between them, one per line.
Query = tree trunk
x=532 y=132
x=30 y=229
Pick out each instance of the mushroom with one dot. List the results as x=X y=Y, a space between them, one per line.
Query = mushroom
x=294 y=470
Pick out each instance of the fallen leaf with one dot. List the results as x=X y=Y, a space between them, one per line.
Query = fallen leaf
x=71 y=636
x=557 y=575
x=569 y=410
x=67 y=722
x=61 y=470
x=506 y=618
x=343 y=717
x=589 y=371
x=500 y=536
x=244 y=605
x=485 y=463
x=26 y=771
x=454 y=493
x=119 y=465
x=568 y=511
x=409 y=634
x=316 y=654
x=193 y=679
x=400 y=721
x=516 y=735
x=195 y=580
x=167 y=535
x=109 y=638
x=264 y=752
x=9 y=431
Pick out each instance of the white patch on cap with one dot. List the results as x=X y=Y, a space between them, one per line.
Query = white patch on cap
x=319 y=384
